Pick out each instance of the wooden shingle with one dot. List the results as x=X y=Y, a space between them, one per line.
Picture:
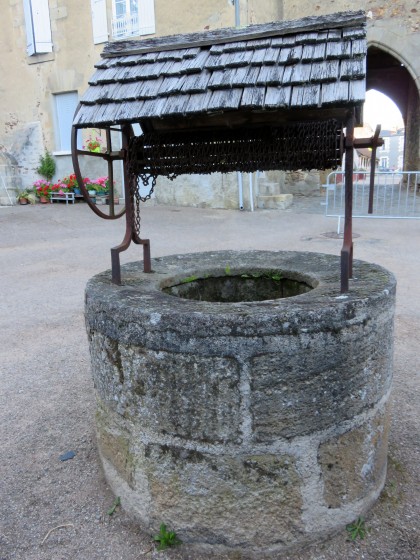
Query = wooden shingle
x=195 y=83
x=225 y=99
x=253 y=97
x=334 y=91
x=277 y=97
x=270 y=76
x=245 y=76
x=305 y=95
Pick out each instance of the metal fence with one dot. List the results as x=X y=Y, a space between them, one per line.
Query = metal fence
x=396 y=195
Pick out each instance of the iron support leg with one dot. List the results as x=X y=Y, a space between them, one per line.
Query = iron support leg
x=347 y=249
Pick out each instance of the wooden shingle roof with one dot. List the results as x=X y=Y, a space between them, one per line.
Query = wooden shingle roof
x=269 y=70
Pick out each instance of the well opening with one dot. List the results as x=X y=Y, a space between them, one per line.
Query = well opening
x=244 y=286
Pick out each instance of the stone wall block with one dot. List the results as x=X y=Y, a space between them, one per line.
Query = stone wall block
x=316 y=380
x=184 y=395
x=107 y=371
x=354 y=463
x=114 y=443
x=203 y=493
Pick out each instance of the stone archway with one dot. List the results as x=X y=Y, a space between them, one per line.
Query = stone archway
x=390 y=74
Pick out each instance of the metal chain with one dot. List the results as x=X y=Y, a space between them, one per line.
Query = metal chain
x=145 y=179
x=135 y=205
x=303 y=145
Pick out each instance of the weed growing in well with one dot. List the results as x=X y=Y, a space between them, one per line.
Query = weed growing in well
x=115 y=504
x=166 y=538
x=357 y=529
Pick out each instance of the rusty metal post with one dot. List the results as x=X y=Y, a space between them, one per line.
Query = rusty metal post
x=372 y=167
x=115 y=251
x=130 y=233
x=347 y=249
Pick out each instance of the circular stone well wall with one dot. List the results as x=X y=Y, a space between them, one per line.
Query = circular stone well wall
x=255 y=425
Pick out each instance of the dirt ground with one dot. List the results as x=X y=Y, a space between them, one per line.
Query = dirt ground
x=55 y=510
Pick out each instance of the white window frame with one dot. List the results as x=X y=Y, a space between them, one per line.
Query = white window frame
x=386 y=146
x=65 y=104
x=139 y=19
x=384 y=162
x=401 y=144
x=38 y=27
x=99 y=21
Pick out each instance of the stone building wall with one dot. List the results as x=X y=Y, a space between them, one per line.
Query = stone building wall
x=393 y=27
x=27 y=119
x=407 y=11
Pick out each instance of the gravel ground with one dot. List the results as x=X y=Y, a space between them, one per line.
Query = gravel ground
x=56 y=510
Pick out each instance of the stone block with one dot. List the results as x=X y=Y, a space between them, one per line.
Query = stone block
x=354 y=463
x=317 y=380
x=188 y=396
x=203 y=493
x=185 y=395
x=114 y=446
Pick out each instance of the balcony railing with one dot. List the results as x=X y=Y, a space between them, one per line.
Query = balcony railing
x=125 y=26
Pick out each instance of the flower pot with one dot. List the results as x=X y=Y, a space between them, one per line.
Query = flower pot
x=23 y=201
x=77 y=191
x=43 y=200
x=92 y=193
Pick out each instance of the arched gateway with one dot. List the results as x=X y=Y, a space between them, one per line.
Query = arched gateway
x=389 y=73
x=271 y=96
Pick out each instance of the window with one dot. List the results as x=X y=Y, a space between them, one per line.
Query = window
x=38 y=27
x=132 y=17
x=99 y=21
x=65 y=107
x=383 y=163
x=401 y=144
x=385 y=147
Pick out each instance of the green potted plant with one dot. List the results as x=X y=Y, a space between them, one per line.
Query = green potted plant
x=46 y=166
x=27 y=196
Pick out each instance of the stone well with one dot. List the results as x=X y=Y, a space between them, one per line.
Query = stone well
x=242 y=400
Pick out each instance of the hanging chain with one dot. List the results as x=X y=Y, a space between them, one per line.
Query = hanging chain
x=135 y=206
x=302 y=145
x=136 y=197
x=145 y=179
